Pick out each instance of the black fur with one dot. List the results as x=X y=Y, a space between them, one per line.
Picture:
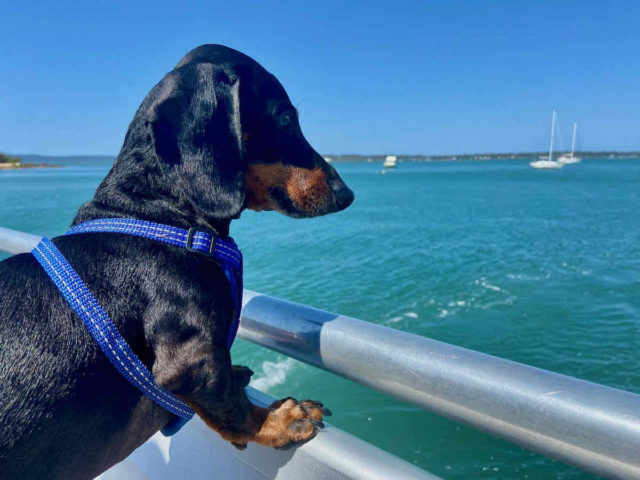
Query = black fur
x=65 y=412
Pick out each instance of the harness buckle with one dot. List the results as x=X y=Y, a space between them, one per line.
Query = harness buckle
x=190 y=248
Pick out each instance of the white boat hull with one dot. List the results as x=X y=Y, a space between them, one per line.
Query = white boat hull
x=568 y=160
x=197 y=453
x=550 y=164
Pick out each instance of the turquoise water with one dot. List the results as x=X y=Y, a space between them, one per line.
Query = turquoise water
x=541 y=267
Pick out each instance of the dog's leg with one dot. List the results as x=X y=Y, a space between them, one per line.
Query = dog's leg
x=223 y=404
x=197 y=369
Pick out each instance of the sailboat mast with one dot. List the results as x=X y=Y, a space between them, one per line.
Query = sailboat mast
x=573 y=140
x=553 y=129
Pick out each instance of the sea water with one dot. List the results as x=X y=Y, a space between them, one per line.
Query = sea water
x=540 y=267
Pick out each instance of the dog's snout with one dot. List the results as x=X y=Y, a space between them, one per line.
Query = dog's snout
x=343 y=194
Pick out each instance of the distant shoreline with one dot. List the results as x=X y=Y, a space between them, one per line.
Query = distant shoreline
x=20 y=165
x=44 y=161
x=475 y=156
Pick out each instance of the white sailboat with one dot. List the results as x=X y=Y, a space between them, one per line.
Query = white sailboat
x=568 y=159
x=550 y=162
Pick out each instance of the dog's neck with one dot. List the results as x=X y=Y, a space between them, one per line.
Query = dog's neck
x=139 y=190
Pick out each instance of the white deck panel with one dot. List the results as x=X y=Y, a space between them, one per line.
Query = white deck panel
x=198 y=453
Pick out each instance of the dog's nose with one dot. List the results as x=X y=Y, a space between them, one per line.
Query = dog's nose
x=344 y=197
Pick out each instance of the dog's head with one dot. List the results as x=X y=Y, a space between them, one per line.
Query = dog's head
x=227 y=137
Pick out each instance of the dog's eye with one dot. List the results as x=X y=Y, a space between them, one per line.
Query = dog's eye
x=285 y=119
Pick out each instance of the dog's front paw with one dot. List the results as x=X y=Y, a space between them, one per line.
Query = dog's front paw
x=290 y=422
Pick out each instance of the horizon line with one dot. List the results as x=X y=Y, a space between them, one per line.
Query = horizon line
x=540 y=152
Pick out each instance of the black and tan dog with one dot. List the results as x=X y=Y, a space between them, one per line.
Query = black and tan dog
x=217 y=135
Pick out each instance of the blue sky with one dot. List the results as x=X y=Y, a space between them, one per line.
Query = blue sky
x=367 y=77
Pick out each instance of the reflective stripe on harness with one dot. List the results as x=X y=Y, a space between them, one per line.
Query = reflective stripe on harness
x=97 y=321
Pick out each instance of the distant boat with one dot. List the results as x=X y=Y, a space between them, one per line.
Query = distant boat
x=390 y=161
x=569 y=159
x=550 y=163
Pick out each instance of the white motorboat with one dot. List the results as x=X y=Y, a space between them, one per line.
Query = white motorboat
x=390 y=161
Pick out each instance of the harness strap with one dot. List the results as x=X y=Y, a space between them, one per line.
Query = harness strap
x=97 y=321
x=192 y=239
x=82 y=301
x=208 y=244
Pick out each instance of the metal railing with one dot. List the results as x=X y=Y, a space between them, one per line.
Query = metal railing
x=592 y=426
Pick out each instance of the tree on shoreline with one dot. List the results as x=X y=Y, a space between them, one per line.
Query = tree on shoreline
x=4 y=158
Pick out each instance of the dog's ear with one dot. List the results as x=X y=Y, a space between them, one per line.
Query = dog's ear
x=193 y=119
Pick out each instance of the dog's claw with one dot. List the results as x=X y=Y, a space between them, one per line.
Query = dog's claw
x=317 y=424
x=239 y=446
x=286 y=447
x=309 y=404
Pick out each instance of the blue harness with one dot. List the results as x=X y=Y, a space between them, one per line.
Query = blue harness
x=94 y=317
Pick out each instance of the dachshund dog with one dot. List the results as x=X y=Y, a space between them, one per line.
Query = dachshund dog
x=216 y=135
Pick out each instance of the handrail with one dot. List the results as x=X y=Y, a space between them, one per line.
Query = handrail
x=588 y=425
x=592 y=426
x=12 y=241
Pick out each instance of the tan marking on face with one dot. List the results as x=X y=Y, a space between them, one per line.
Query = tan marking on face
x=307 y=189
